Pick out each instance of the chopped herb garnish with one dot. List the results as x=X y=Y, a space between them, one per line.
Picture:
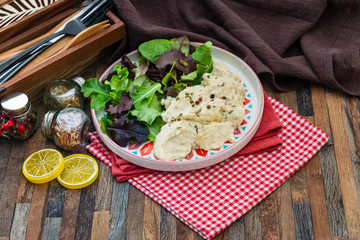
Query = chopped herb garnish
x=196 y=129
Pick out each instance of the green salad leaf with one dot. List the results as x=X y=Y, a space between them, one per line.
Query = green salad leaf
x=99 y=93
x=153 y=49
x=155 y=128
x=105 y=122
x=203 y=58
x=144 y=94
x=182 y=44
x=169 y=75
x=120 y=82
x=148 y=111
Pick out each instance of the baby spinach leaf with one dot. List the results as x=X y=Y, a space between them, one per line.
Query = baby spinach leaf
x=154 y=48
x=154 y=128
x=203 y=59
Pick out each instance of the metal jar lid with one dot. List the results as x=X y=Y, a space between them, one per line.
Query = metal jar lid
x=79 y=80
x=46 y=124
x=15 y=103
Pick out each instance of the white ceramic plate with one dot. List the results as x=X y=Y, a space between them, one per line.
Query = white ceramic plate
x=142 y=153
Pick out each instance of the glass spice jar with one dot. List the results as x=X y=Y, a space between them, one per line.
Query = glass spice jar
x=68 y=128
x=64 y=93
x=18 y=119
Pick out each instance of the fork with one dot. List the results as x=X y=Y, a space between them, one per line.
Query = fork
x=90 y=15
x=5 y=75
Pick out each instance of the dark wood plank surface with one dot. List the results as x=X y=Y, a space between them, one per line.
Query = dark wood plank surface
x=320 y=201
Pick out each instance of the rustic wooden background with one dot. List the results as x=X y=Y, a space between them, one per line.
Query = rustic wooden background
x=320 y=201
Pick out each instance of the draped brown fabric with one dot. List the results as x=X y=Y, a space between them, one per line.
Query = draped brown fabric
x=286 y=42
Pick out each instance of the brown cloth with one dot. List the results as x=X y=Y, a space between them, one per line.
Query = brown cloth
x=286 y=42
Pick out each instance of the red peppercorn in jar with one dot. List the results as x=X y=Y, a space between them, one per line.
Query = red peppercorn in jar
x=18 y=119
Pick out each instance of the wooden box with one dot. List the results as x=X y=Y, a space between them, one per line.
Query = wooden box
x=65 y=64
x=22 y=16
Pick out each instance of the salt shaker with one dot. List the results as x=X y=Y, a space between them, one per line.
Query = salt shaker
x=64 y=93
x=68 y=127
x=18 y=119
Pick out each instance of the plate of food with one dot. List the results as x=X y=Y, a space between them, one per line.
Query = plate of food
x=176 y=105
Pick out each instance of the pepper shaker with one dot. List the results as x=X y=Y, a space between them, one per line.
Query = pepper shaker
x=64 y=93
x=18 y=119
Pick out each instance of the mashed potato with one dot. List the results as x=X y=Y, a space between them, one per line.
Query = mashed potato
x=202 y=116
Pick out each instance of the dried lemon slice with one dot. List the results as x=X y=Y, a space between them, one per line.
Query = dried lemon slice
x=80 y=171
x=43 y=166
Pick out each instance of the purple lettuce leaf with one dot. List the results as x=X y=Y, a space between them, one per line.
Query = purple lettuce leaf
x=154 y=73
x=183 y=64
x=125 y=130
x=126 y=62
x=125 y=104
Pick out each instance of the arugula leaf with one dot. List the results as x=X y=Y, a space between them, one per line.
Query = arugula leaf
x=165 y=80
x=148 y=111
x=189 y=77
x=99 y=93
x=144 y=93
x=154 y=48
x=146 y=103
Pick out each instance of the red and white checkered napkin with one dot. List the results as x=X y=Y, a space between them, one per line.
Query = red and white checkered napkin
x=209 y=200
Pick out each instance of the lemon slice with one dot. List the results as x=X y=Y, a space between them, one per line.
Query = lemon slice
x=80 y=171
x=43 y=166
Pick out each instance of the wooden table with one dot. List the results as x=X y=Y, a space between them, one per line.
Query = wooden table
x=320 y=201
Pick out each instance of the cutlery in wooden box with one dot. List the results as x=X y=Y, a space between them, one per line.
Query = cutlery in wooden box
x=66 y=58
